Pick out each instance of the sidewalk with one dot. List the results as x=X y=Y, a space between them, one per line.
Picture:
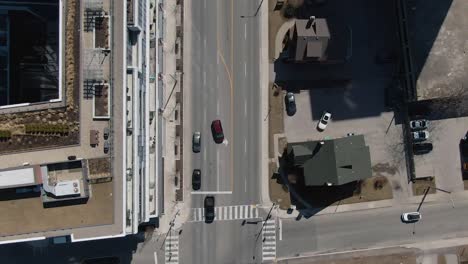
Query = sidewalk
x=437 y=198
x=170 y=111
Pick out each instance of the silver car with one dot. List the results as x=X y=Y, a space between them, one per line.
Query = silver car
x=196 y=142
x=419 y=124
x=420 y=135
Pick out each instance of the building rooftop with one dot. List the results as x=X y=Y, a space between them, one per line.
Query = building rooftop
x=336 y=162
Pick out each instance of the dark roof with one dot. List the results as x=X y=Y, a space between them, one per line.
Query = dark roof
x=338 y=161
x=312 y=38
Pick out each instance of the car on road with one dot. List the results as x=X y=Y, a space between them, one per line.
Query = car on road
x=419 y=124
x=420 y=135
x=290 y=103
x=196 y=179
x=209 y=205
x=324 y=120
x=411 y=217
x=196 y=142
x=217 y=131
x=422 y=148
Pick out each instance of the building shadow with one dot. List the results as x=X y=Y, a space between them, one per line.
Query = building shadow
x=45 y=252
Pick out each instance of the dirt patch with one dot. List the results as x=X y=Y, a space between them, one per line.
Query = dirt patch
x=101 y=32
x=420 y=185
x=99 y=166
x=279 y=192
x=275 y=20
x=275 y=115
x=372 y=189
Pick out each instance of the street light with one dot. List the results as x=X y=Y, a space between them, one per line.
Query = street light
x=256 y=12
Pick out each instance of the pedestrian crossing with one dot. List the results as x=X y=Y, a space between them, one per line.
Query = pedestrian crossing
x=172 y=249
x=269 y=240
x=226 y=213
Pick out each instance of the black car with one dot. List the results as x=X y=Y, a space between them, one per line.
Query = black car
x=464 y=146
x=422 y=148
x=290 y=103
x=196 y=179
x=209 y=209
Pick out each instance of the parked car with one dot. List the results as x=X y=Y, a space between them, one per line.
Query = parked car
x=196 y=142
x=324 y=120
x=464 y=146
x=106 y=147
x=217 y=131
x=209 y=205
x=411 y=217
x=196 y=179
x=420 y=135
x=290 y=103
x=422 y=148
x=419 y=124
x=106 y=133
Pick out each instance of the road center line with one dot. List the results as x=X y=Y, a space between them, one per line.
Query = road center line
x=217 y=170
x=245 y=31
x=204 y=78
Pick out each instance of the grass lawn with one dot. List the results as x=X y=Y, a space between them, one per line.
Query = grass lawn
x=420 y=185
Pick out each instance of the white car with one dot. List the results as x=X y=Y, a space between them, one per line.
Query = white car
x=420 y=135
x=411 y=217
x=419 y=124
x=324 y=120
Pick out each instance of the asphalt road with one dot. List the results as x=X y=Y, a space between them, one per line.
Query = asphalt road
x=371 y=228
x=225 y=86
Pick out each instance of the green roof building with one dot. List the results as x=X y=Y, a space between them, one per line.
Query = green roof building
x=331 y=162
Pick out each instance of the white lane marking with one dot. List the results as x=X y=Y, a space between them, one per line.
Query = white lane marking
x=211 y=192
x=245 y=31
x=204 y=78
x=217 y=108
x=204 y=43
x=217 y=169
x=245 y=146
x=235 y=212
x=245 y=108
x=245 y=68
x=280 y=229
x=204 y=4
x=245 y=185
x=155 y=258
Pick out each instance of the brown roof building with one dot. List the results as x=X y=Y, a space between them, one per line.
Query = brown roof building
x=310 y=39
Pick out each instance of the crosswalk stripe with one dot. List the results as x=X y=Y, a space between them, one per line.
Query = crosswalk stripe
x=231 y=213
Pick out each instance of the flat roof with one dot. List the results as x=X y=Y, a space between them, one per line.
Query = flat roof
x=17 y=177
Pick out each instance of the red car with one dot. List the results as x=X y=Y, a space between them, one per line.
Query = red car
x=217 y=131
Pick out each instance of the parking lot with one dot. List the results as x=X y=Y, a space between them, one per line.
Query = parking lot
x=444 y=161
x=357 y=106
